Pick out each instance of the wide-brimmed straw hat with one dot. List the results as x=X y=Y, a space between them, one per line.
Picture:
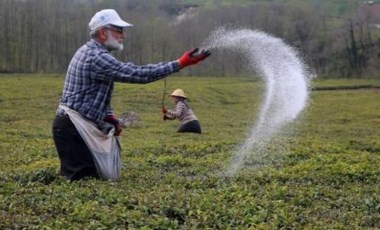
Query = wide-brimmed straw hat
x=178 y=93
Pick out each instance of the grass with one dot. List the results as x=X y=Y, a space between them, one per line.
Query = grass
x=328 y=178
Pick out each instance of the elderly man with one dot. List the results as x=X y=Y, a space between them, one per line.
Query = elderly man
x=88 y=91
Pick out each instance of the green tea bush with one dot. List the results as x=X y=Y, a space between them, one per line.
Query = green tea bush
x=323 y=174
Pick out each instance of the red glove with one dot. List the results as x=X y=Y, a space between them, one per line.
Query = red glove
x=191 y=57
x=164 y=110
x=113 y=120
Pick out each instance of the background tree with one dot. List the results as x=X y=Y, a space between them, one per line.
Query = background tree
x=336 y=38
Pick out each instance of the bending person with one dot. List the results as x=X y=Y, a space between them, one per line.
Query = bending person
x=182 y=112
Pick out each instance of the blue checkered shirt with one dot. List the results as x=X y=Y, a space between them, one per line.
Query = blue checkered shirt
x=91 y=75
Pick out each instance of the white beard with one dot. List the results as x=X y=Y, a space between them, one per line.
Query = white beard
x=112 y=43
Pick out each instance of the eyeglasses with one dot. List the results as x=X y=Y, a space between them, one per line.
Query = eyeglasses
x=117 y=29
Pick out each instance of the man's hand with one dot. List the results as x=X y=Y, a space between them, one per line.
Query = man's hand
x=192 y=57
x=113 y=120
x=164 y=110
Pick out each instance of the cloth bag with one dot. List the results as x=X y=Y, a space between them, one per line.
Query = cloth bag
x=105 y=148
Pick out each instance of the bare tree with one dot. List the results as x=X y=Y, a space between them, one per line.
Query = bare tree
x=42 y=35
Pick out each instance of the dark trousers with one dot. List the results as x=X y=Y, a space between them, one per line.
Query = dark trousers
x=76 y=159
x=190 y=127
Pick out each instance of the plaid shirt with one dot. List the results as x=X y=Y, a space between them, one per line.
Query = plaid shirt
x=91 y=75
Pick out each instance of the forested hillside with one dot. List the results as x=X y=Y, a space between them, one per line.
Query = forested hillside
x=336 y=38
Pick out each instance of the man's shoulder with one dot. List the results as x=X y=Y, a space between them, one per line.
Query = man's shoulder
x=92 y=49
x=95 y=46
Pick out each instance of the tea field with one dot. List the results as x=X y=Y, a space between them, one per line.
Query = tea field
x=326 y=176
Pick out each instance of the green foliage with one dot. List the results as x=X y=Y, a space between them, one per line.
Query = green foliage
x=327 y=179
x=321 y=30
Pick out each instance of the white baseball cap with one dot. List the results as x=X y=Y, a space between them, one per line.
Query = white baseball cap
x=107 y=17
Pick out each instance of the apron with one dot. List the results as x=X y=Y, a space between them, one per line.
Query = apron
x=105 y=148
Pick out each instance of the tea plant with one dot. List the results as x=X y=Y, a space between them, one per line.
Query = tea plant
x=327 y=177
